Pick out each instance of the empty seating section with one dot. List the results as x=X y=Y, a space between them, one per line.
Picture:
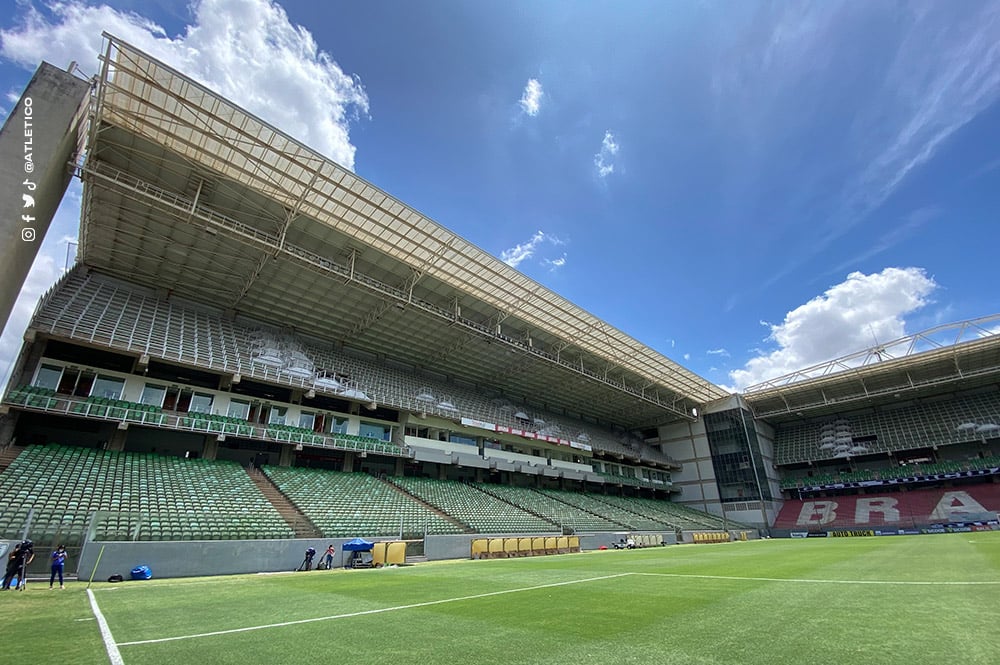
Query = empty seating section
x=480 y=511
x=356 y=504
x=144 y=495
x=595 y=503
x=551 y=508
x=146 y=414
x=671 y=514
x=292 y=434
x=925 y=424
x=911 y=509
x=33 y=396
x=208 y=422
x=916 y=471
x=89 y=307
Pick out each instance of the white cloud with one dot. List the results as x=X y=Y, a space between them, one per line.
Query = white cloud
x=531 y=98
x=555 y=264
x=517 y=254
x=848 y=317
x=718 y=352
x=604 y=160
x=247 y=50
x=687 y=356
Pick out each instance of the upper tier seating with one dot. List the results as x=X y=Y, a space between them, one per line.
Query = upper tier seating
x=87 y=307
x=892 y=473
x=963 y=419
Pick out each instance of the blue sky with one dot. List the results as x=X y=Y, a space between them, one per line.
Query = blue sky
x=749 y=188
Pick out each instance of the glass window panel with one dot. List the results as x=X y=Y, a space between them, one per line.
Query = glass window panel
x=153 y=395
x=338 y=425
x=238 y=409
x=376 y=431
x=307 y=419
x=48 y=377
x=107 y=386
x=277 y=416
x=201 y=403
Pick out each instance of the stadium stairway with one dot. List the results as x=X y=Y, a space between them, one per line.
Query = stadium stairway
x=7 y=456
x=302 y=525
x=416 y=499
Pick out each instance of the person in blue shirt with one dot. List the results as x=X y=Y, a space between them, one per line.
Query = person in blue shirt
x=58 y=562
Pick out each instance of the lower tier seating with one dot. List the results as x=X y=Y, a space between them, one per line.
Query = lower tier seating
x=133 y=495
x=356 y=504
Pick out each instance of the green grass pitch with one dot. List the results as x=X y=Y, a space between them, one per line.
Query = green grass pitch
x=904 y=599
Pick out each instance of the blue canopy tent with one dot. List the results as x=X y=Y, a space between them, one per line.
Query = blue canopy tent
x=356 y=547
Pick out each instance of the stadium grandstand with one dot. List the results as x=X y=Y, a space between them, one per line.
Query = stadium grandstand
x=905 y=433
x=256 y=343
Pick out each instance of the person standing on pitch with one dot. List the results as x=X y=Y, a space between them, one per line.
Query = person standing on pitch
x=329 y=556
x=58 y=562
x=17 y=564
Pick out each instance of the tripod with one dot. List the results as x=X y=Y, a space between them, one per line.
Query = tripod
x=21 y=574
x=306 y=564
x=18 y=573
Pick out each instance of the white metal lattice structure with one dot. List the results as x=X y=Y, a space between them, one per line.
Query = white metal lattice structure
x=188 y=193
x=962 y=355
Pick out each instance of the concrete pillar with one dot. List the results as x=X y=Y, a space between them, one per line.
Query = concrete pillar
x=8 y=423
x=399 y=467
x=286 y=456
x=211 y=448
x=117 y=442
x=348 y=462
x=37 y=143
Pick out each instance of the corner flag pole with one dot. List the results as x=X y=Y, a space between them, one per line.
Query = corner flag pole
x=96 y=563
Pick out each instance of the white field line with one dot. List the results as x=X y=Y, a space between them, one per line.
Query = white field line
x=534 y=588
x=109 y=641
x=367 y=612
x=816 y=581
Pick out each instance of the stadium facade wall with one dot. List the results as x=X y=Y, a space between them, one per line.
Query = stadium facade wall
x=699 y=478
x=236 y=557
x=191 y=558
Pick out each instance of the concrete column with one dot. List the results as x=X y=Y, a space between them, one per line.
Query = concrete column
x=211 y=448
x=37 y=143
x=8 y=423
x=348 y=462
x=286 y=456
x=117 y=442
x=399 y=466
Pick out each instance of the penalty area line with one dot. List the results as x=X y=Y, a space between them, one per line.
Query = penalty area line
x=817 y=581
x=380 y=610
x=114 y=655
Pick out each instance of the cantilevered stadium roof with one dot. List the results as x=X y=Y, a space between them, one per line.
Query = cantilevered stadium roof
x=954 y=356
x=187 y=193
